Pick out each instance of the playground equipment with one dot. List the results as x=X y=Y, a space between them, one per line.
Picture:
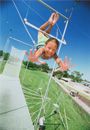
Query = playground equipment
x=17 y=110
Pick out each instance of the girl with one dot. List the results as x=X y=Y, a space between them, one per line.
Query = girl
x=47 y=47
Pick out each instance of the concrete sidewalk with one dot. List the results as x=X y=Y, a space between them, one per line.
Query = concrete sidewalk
x=14 y=114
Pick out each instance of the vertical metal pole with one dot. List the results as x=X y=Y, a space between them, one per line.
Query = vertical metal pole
x=64 y=30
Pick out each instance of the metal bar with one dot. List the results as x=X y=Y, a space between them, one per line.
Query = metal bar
x=22 y=21
x=20 y=41
x=33 y=26
x=65 y=30
x=52 y=9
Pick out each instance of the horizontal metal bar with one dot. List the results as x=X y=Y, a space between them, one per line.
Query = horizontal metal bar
x=33 y=26
x=20 y=41
x=48 y=6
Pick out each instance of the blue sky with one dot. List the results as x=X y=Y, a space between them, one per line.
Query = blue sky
x=77 y=35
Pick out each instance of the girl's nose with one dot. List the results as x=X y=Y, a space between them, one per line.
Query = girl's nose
x=51 y=50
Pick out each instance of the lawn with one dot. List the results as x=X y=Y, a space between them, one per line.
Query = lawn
x=69 y=116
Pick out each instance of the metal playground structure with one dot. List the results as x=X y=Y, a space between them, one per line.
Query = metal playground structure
x=17 y=111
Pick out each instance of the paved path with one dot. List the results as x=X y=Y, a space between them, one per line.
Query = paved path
x=14 y=113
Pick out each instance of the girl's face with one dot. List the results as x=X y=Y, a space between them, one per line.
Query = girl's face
x=50 y=49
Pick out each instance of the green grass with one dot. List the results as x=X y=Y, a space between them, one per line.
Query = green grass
x=70 y=115
x=2 y=64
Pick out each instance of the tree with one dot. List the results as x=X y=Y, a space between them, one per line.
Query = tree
x=66 y=74
x=1 y=53
x=76 y=76
x=44 y=67
x=30 y=65
x=6 y=56
x=60 y=74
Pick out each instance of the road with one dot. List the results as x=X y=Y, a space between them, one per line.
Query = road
x=82 y=104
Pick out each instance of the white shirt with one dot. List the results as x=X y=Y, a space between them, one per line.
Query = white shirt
x=41 y=121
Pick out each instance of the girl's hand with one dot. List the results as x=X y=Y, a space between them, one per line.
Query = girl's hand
x=33 y=58
x=65 y=65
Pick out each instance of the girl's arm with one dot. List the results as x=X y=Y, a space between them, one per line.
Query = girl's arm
x=64 y=65
x=34 y=57
x=39 y=52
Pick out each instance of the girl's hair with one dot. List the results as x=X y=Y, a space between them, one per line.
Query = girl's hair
x=53 y=39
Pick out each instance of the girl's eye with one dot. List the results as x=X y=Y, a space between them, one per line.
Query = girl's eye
x=49 y=48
